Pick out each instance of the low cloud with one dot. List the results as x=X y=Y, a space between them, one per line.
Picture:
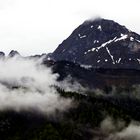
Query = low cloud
x=132 y=132
x=111 y=129
x=69 y=84
x=25 y=84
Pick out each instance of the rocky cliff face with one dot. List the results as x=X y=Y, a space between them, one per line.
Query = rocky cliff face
x=101 y=43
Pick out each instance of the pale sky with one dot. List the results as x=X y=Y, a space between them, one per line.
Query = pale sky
x=39 y=26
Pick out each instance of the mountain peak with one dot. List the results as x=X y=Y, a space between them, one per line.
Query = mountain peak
x=101 y=43
x=106 y=26
x=2 y=54
x=13 y=53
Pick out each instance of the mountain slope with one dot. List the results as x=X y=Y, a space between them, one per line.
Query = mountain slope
x=101 y=43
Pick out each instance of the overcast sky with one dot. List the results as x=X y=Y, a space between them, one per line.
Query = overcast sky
x=39 y=26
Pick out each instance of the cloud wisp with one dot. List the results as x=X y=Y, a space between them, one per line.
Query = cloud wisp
x=25 y=84
x=111 y=129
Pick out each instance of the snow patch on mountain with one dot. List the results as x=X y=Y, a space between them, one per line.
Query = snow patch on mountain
x=111 y=56
x=119 y=60
x=98 y=61
x=83 y=36
x=131 y=39
x=103 y=45
x=91 y=26
x=138 y=40
x=106 y=43
x=138 y=60
x=123 y=37
x=86 y=66
x=96 y=41
x=99 y=28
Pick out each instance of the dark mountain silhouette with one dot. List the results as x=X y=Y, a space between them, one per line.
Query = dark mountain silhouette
x=2 y=54
x=101 y=43
x=13 y=53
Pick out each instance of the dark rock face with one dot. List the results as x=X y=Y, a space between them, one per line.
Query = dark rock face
x=13 y=53
x=2 y=54
x=101 y=44
x=95 y=78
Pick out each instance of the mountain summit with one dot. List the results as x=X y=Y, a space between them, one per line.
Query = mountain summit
x=13 y=53
x=101 y=43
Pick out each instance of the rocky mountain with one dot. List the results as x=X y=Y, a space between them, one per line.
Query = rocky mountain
x=2 y=54
x=102 y=49
x=13 y=53
x=101 y=43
